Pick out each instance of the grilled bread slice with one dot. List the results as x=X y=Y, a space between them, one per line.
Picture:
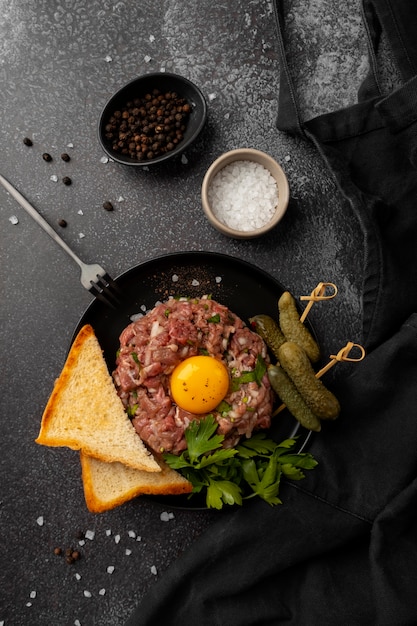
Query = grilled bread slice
x=85 y=413
x=108 y=485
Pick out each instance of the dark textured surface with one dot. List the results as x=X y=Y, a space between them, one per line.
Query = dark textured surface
x=59 y=63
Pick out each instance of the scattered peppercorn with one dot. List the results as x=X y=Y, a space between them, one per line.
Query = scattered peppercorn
x=67 y=180
x=46 y=156
x=108 y=206
x=62 y=223
x=148 y=127
x=27 y=141
x=58 y=551
x=65 y=157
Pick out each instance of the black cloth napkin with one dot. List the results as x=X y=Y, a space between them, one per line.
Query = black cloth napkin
x=342 y=549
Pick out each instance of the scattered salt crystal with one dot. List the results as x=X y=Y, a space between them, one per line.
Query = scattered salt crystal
x=77 y=622
x=108 y=58
x=80 y=212
x=195 y=283
x=110 y=569
x=154 y=571
x=132 y=534
x=108 y=532
x=28 y=603
x=227 y=116
x=128 y=552
x=32 y=594
x=40 y=521
x=116 y=538
x=184 y=159
x=70 y=145
x=90 y=534
x=102 y=592
x=143 y=307
x=87 y=593
x=165 y=516
x=14 y=219
x=120 y=199
x=243 y=195
x=81 y=542
x=287 y=158
x=54 y=178
x=147 y=58
x=151 y=38
x=135 y=317
x=138 y=538
x=218 y=279
x=77 y=576
x=174 y=278
x=81 y=235
x=162 y=69
x=104 y=159
x=212 y=96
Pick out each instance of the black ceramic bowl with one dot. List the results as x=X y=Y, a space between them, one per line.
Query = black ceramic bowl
x=164 y=82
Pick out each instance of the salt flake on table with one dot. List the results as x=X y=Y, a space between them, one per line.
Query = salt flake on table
x=102 y=592
x=151 y=38
x=154 y=571
x=14 y=219
x=70 y=145
x=116 y=538
x=77 y=622
x=128 y=552
x=81 y=235
x=77 y=576
x=110 y=569
x=174 y=278
x=165 y=516
x=108 y=58
x=132 y=534
x=80 y=212
x=40 y=521
x=108 y=532
x=32 y=594
x=28 y=604
x=147 y=58
x=218 y=279
x=87 y=593
x=54 y=178
x=184 y=159
x=120 y=199
x=104 y=159
x=81 y=542
x=287 y=158
x=90 y=534
x=212 y=96
x=195 y=282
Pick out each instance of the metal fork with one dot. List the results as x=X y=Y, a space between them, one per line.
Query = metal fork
x=94 y=278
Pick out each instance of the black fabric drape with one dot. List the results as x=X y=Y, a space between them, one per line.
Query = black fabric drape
x=343 y=548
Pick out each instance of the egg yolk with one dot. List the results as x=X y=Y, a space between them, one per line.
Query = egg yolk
x=199 y=384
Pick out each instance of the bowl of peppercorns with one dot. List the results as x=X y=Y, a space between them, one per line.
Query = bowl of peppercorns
x=152 y=119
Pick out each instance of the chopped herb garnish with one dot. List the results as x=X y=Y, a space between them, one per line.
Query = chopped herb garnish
x=214 y=319
x=135 y=357
x=231 y=475
x=131 y=410
x=254 y=375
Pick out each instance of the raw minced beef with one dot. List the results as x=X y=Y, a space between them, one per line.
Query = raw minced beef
x=153 y=345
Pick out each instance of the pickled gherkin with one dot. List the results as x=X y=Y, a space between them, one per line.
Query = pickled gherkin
x=288 y=393
x=294 y=360
x=293 y=329
x=270 y=332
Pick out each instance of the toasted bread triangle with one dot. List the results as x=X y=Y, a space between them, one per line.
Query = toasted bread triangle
x=85 y=413
x=107 y=485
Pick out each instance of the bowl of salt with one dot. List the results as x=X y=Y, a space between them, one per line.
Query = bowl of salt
x=245 y=193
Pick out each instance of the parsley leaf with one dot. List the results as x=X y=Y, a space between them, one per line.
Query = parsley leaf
x=227 y=476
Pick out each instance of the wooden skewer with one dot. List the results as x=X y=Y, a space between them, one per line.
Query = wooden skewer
x=317 y=295
x=342 y=355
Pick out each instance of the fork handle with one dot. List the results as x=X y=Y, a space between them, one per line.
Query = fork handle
x=39 y=219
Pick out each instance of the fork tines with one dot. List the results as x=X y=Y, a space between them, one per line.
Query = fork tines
x=106 y=290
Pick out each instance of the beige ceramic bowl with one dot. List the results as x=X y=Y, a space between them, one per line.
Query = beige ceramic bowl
x=246 y=154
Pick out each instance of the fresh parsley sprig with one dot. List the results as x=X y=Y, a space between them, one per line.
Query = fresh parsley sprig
x=230 y=475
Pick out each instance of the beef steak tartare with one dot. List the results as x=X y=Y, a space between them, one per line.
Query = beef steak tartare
x=153 y=345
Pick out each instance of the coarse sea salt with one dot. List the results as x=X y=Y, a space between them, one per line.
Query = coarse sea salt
x=243 y=195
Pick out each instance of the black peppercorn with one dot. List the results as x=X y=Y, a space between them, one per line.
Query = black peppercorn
x=27 y=141
x=148 y=127
x=62 y=223
x=46 y=156
x=67 y=180
x=65 y=157
x=108 y=206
